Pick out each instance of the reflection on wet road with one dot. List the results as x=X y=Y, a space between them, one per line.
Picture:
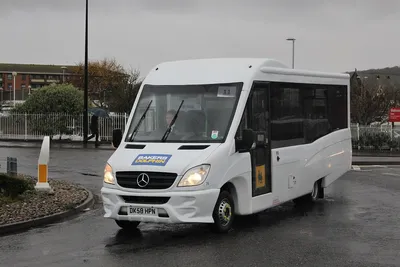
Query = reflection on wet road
x=356 y=225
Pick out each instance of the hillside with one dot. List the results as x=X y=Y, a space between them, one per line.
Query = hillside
x=389 y=74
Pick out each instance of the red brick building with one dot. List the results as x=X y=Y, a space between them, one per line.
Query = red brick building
x=28 y=77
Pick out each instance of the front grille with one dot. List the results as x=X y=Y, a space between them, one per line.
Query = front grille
x=158 y=180
x=145 y=200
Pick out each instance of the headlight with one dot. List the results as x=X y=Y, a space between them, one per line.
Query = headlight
x=108 y=175
x=195 y=176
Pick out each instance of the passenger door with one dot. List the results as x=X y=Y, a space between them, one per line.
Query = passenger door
x=259 y=121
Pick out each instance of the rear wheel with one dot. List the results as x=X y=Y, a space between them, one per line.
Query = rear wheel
x=317 y=192
x=224 y=213
x=128 y=225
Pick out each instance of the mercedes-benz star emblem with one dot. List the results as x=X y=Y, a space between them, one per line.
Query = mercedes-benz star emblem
x=142 y=180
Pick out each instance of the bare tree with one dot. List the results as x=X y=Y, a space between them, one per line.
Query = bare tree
x=110 y=84
x=124 y=96
x=371 y=99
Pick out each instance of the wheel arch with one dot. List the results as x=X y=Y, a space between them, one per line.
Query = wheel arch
x=240 y=189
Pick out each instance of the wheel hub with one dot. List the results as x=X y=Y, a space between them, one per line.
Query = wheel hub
x=225 y=212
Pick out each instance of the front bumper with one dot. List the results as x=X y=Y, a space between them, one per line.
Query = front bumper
x=177 y=207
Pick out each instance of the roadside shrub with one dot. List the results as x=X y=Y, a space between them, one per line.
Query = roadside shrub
x=395 y=144
x=14 y=186
x=380 y=140
x=54 y=107
x=377 y=141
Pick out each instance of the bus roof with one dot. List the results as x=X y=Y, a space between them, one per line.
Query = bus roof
x=225 y=70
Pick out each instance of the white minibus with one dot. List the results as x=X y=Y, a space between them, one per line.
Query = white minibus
x=209 y=139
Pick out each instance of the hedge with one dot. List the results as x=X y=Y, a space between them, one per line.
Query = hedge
x=377 y=141
x=12 y=187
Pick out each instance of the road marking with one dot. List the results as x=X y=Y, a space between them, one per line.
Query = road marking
x=373 y=166
x=356 y=167
x=367 y=168
x=391 y=174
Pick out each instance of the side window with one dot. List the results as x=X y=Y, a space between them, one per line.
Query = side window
x=303 y=113
x=259 y=107
x=316 y=122
x=259 y=111
x=243 y=125
x=337 y=107
x=287 y=115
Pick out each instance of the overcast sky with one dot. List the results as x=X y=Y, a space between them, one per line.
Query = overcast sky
x=333 y=35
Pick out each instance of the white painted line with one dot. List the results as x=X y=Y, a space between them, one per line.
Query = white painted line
x=391 y=174
x=356 y=167
x=373 y=166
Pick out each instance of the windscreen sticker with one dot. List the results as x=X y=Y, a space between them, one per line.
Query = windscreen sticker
x=152 y=159
x=226 y=91
x=214 y=134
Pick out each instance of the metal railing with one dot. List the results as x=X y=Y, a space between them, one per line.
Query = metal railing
x=358 y=131
x=69 y=127
x=57 y=125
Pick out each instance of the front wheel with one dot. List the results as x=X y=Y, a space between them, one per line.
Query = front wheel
x=128 y=225
x=224 y=213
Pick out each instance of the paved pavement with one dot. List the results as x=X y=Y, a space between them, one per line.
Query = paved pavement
x=84 y=166
x=359 y=157
x=62 y=145
x=356 y=225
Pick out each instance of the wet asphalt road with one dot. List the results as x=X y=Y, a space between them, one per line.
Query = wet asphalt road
x=358 y=224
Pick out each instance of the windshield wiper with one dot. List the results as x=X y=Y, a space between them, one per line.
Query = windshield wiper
x=140 y=122
x=168 y=131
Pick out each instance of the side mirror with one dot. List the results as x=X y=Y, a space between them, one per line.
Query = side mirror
x=248 y=139
x=116 y=137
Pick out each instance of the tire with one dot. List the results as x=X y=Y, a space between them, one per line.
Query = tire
x=317 y=192
x=128 y=225
x=224 y=213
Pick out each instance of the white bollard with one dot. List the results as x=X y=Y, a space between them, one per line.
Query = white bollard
x=43 y=182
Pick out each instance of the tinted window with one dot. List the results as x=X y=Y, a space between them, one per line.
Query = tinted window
x=286 y=116
x=243 y=125
x=259 y=110
x=337 y=107
x=302 y=113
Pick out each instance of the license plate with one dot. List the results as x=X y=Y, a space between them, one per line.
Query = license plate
x=150 y=211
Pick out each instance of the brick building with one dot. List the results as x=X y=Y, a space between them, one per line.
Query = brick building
x=29 y=77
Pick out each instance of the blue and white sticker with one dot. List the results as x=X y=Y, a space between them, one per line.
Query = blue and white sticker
x=152 y=159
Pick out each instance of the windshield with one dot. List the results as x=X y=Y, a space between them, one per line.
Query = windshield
x=184 y=113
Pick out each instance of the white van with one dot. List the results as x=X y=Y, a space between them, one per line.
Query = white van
x=209 y=139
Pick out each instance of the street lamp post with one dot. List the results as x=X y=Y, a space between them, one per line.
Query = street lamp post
x=14 y=74
x=85 y=96
x=292 y=40
x=63 y=73
x=29 y=89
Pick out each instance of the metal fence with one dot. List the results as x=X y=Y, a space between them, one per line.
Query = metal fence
x=8 y=165
x=358 y=131
x=59 y=126
x=36 y=126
